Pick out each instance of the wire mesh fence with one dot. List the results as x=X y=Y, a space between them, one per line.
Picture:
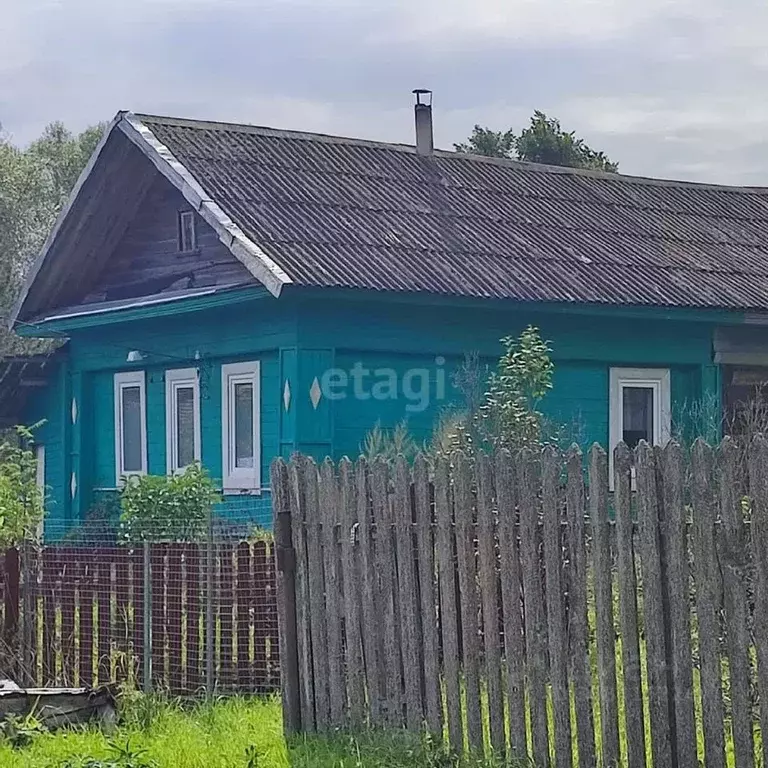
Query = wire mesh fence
x=181 y=616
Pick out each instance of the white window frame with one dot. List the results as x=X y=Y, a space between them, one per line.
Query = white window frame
x=180 y=378
x=234 y=479
x=122 y=381
x=655 y=379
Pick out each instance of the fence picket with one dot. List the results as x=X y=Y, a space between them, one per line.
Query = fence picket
x=758 y=490
x=175 y=617
x=373 y=647
x=605 y=632
x=511 y=598
x=319 y=637
x=465 y=549
x=679 y=592
x=557 y=635
x=449 y=622
x=426 y=574
x=630 y=637
x=244 y=590
x=733 y=551
x=297 y=486
x=329 y=505
x=68 y=625
x=49 y=575
x=489 y=590
x=653 y=608
x=708 y=603
x=387 y=579
x=352 y=601
x=410 y=641
x=137 y=636
x=535 y=635
x=578 y=626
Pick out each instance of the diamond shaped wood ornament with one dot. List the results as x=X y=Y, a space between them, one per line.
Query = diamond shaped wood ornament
x=287 y=395
x=315 y=393
x=73 y=485
x=74 y=411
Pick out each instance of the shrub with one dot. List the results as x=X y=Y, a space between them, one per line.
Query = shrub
x=167 y=508
x=21 y=500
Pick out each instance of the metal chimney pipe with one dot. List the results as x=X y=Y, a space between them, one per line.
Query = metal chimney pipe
x=425 y=143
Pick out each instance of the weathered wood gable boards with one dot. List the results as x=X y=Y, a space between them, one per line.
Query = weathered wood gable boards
x=147 y=261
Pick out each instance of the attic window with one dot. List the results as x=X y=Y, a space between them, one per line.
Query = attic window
x=187 y=233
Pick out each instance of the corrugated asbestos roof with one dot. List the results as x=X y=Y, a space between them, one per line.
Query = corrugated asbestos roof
x=335 y=212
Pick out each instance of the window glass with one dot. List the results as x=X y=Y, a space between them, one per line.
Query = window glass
x=637 y=415
x=185 y=426
x=187 y=239
x=131 y=404
x=243 y=421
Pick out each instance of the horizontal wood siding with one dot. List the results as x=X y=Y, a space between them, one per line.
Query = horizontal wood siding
x=147 y=260
x=403 y=336
x=413 y=328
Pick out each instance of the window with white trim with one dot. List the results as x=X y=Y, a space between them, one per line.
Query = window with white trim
x=130 y=424
x=640 y=407
x=182 y=418
x=241 y=434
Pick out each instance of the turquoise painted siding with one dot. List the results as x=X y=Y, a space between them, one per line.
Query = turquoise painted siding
x=584 y=348
x=252 y=331
x=298 y=342
x=48 y=407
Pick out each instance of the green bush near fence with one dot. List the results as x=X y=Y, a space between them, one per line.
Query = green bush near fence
x=167 y=507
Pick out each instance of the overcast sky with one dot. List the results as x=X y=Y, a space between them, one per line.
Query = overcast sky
x=673 y=88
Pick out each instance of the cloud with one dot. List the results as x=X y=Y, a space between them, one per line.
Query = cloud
x=666 y=87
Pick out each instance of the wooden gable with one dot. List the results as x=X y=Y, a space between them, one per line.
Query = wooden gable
x=149 y=260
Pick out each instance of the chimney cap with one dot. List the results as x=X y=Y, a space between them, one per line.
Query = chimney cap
x=419 y=92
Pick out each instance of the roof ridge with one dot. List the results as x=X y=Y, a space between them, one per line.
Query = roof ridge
x=522 y=165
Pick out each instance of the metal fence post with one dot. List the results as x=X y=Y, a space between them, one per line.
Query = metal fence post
x=210 y=629
x=147 y=658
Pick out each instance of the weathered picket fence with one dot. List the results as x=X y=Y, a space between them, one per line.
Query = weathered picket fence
x=181 y=618
x=468 y=597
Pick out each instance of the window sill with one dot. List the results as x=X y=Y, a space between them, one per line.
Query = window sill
x=241 y=491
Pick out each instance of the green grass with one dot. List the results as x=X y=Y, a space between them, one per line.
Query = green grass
x=227 y=733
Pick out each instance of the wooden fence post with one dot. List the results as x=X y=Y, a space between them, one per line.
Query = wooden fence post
x=286 y=591
x=653 y=605
x=630 y=636
x=734 y=561
x=578 y=624
x=708 y=602
x=677 y=598
x=758 y=491
x=12 y=598
x=604 y=629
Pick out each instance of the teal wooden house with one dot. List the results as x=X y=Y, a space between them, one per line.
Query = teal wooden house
x=229 y=294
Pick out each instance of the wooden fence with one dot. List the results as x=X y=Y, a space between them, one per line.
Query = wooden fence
x=518 y=609
x=87 y=616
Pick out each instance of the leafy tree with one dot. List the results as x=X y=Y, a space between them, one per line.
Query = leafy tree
x=34 y=185
x=484 y=141
x=543 y=141
x=510 y=416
